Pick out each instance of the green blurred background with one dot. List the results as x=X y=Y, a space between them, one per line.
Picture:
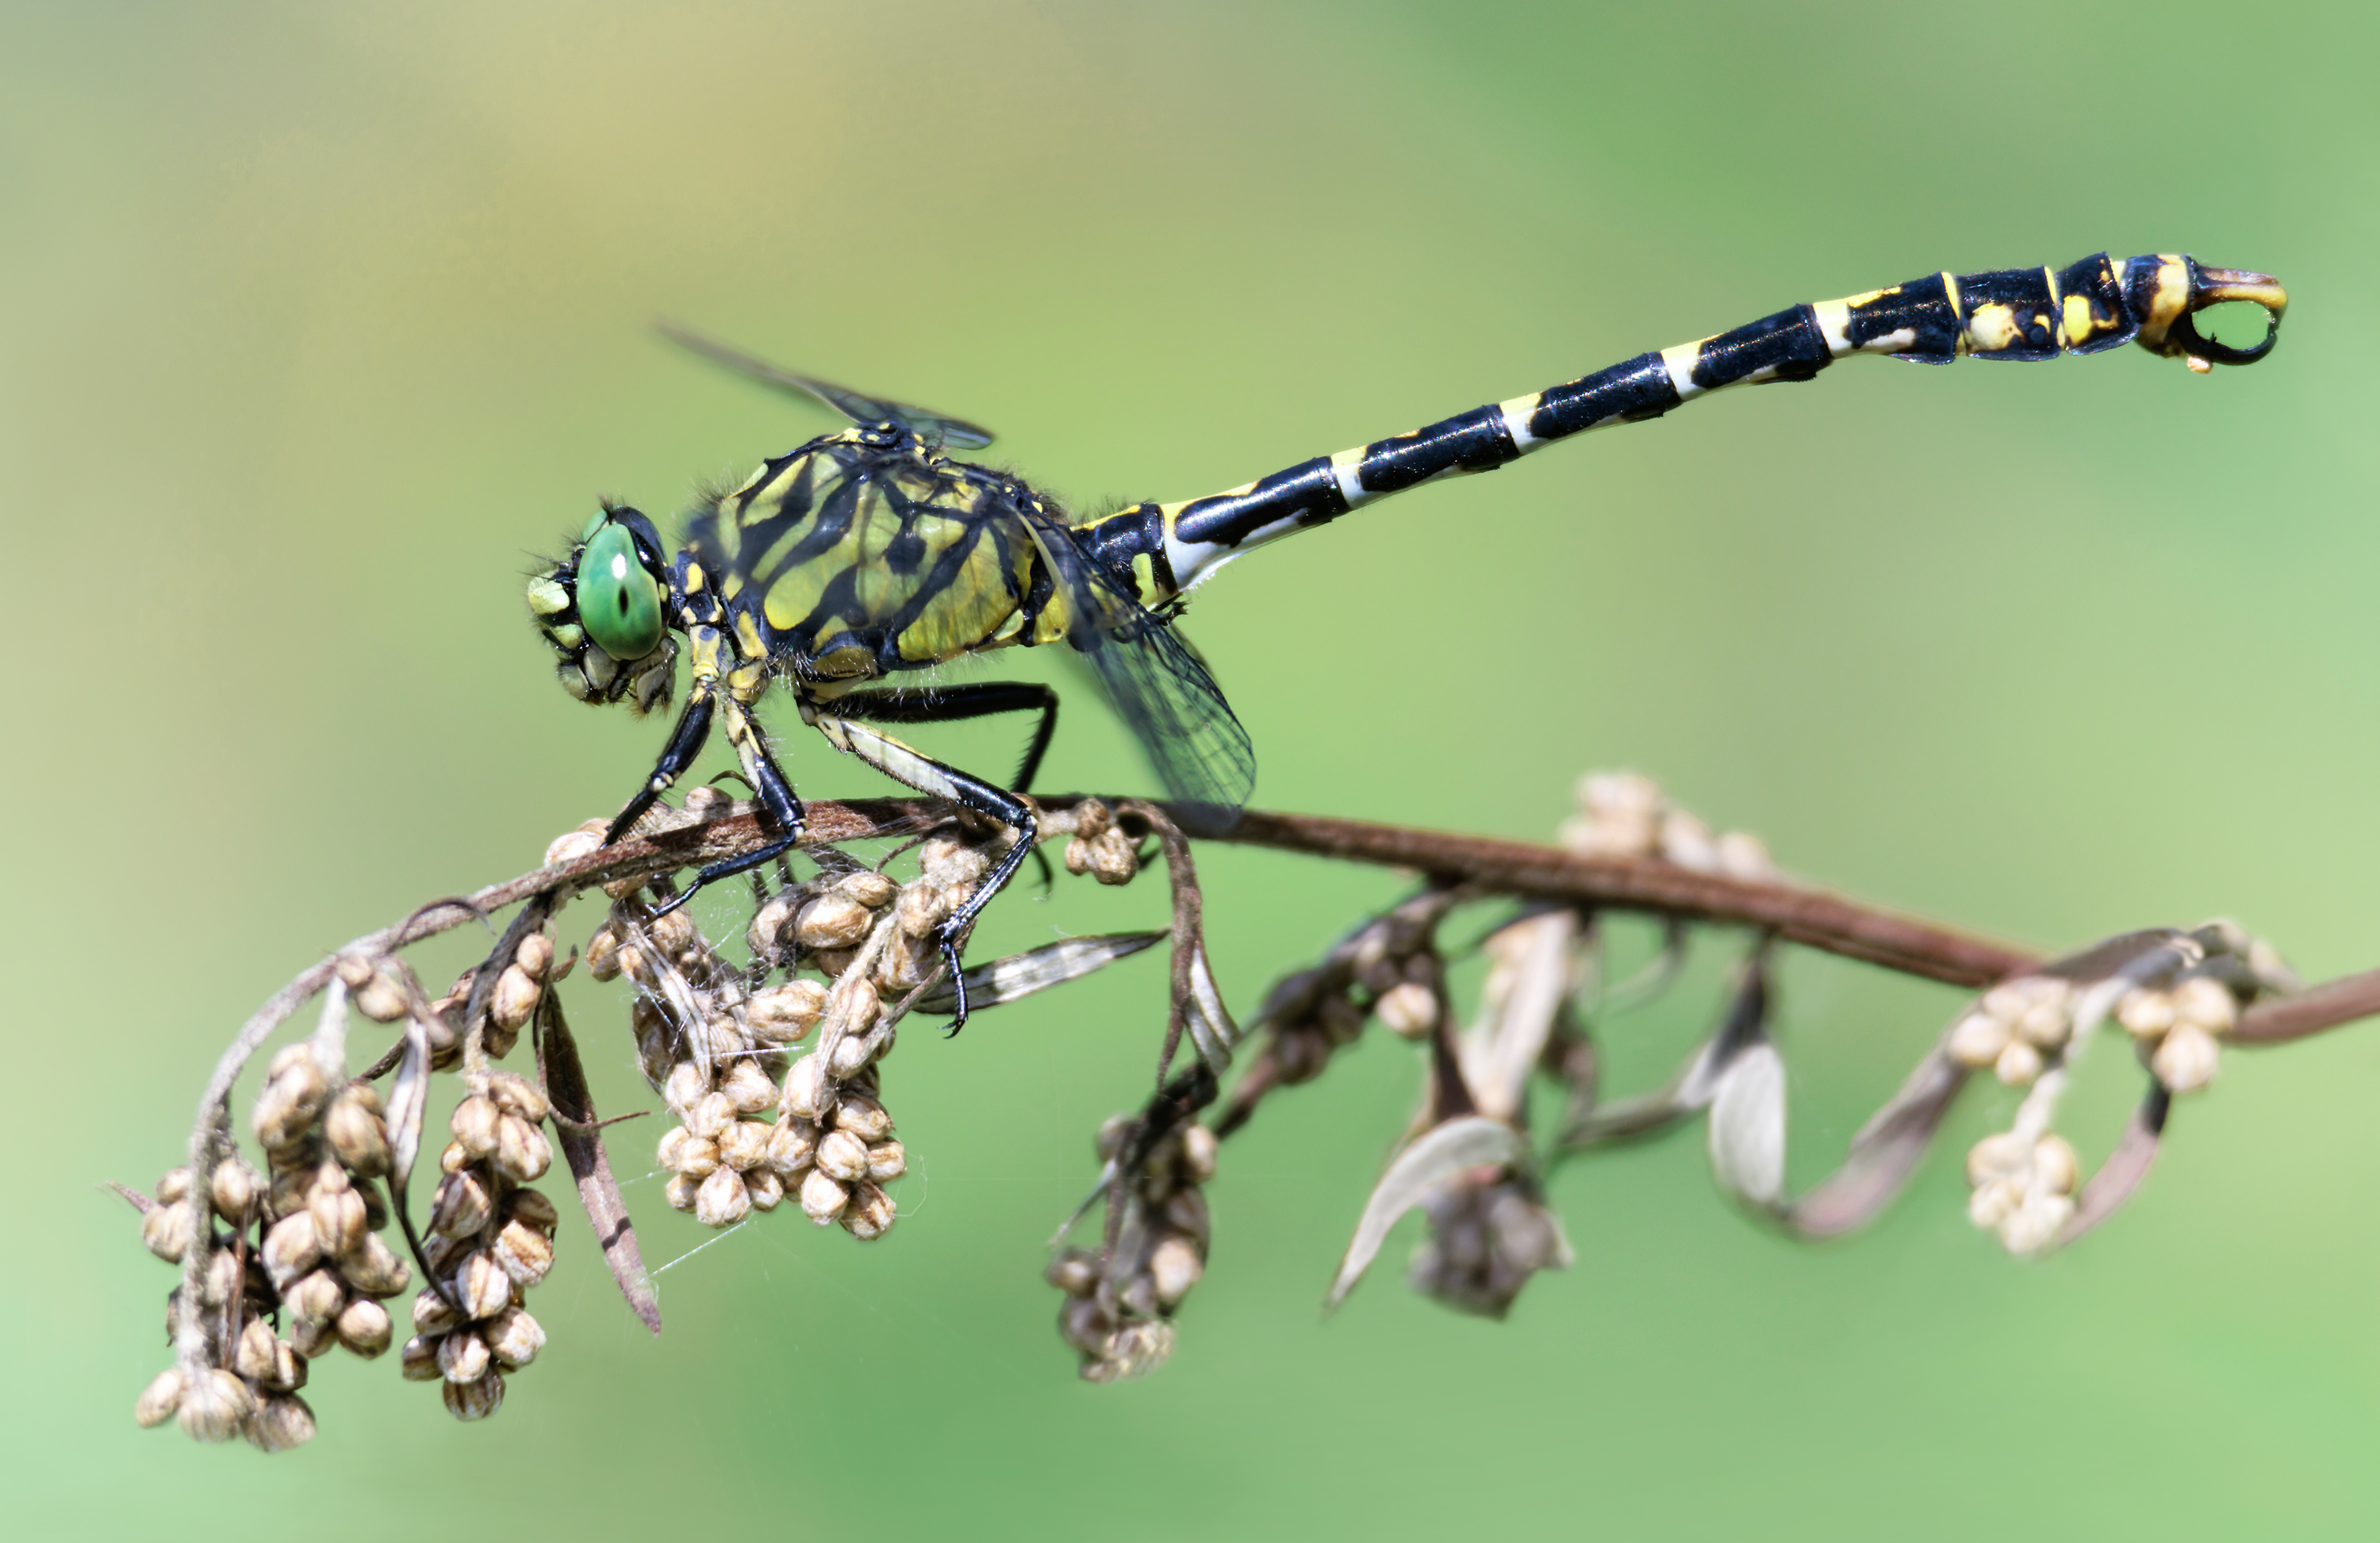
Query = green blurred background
x=315 y=324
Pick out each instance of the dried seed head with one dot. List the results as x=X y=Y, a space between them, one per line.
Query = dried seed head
x=417 y=1362
x=474 y=1124
x=869 y=888
x=476 y=1400
x=514 y=999
x=315 y=1298
x=168 y=1230
x=822 y=1199
x=765 y=1188
x=514 y=1094
x=809 y=1093
x=463 y=1356
x=722 y=1200
x=843 y=1156
x=525 y=1253
x=280 y=1424
x=793 y=1146
x=744 y=1144
x=863 y=1117
x=2018 y=1064
x=783 y=1015
x=159 y=1400
x=513 y=1338
x=338 y=1220
x=531 y=1207
x=750 y=1089
x=870 y=1215
x=363 y=1326
x=292 y=1248
x=711 y=1114
x=2205 y=1004
x=462 y=1205
x=2185 y=1058
x=1978 y=1039
x=523 y=1154
x=832 y=920
x=1409 y=1010
x=686 y=1086
x=372 y=1268
x=680 y=1191
x=214 y=1406
x=887 y=1161
x=603 y=954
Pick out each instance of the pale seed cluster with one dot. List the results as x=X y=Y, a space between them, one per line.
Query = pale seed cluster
x=1487 y=1235
x=1118 y=1313
x=491 y=1239
x=1389 y=969
x=2176 y=1027
x=303 y=1243
x=2023 y=1187
x=2018 y=1027
x=1622 y=814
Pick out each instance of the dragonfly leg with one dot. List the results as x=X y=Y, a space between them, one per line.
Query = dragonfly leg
x=914 y=768
x=950 y=704
x=686 y=741
x=781 y=813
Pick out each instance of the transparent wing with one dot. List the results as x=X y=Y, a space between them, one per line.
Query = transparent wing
x=857 y=407
x=1157 y=684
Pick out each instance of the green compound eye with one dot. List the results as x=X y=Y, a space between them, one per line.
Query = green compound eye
x=618 y=601
x=601 y=519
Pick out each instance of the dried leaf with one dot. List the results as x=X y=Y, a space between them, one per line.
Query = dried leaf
x=1021 y=975
x=1435 y=1155
x=409 y=1095
x=1525 y=987
x=1747 y=1126
x=132 y=1197
x=580 y=1136
x=330 y=1038
x=1210 y=1022
x=2120 y=1175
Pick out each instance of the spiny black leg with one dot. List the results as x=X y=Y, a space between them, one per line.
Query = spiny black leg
x=950 y=704
x=1010 y=810
x=685 y=743
x=781 y=816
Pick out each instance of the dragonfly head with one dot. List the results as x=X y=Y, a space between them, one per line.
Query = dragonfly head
x=605 y=609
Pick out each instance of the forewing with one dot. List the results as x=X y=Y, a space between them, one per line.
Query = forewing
x=1157 y=684
x=956 y=433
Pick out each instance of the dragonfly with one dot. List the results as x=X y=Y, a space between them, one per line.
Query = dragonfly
x=869 y=553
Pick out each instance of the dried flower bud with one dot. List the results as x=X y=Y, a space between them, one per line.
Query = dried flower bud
x=832 y=920
x=355 y=1129
x=722 y=1200
x=1174 y=1267
x=822 y=1199
x=2018 y=1064
x=743 y=1145
x=681 y=1152
x=869 y=888
x=887 y=1161
x=281 y=1424
x=313 y=1339
x=476 y=1400
x=603 y=954
x=870 y=1215
x=1994 y=1201
x=1409 y=1010
x=2205 y=1004
x=463 y=1356
x=381 y=997
x=338 y=1220
x=292 y=1248
x=842 y=1156
x=765 y=1188
x=293 y=1095
x=1185 y=1212
x=1114 y=1131
x=686 y=1087
x=863 y=1117
x=417 y=1362
x=514 y=1094
x=1198 y=1154
x=2185 y=1058
x=763 y=936
x=2035 y=1225
x=214 y=1406
x=525 y=1253
x=711 y=1115
x=474 y=1124
x=672 y=932
x=535 y=955
x=922 y=908
x=807 y=1094
x=783 y=1015
x=1978 y=1039
x=951 y=862
x=316 y=1297
x=159 y=1400
x=372 y=1268
x=2054 y=1168
x=481 y=1288
x=854 y=1051
x=793 y=1146
x=172 y=1186
x=748 y=1089
x=681 y=1190
x=252 y=1356
x=234 y=1188
x=168 y=1230
x=462 y=1205
x=571 y=845
x=513 y=1338
x=523 y=1154
x=363 y=1326
x=1074 y=1271
x=1998 y=1156
x=531 y=1207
